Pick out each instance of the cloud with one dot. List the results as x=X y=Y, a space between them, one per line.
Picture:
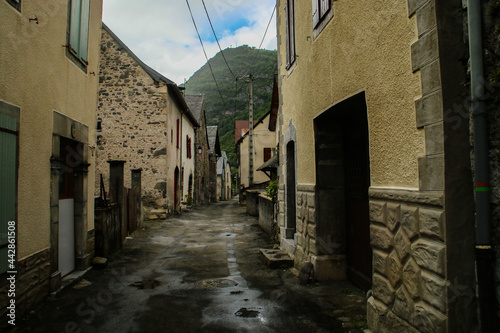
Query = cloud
x=162 y=34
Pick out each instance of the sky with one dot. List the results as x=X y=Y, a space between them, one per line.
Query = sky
x=161 y=32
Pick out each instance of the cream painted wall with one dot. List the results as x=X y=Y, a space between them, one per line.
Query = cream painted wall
x=364 y=47
x=173 y=153
x=263 y=138
x=188 y=164
x=39 y=78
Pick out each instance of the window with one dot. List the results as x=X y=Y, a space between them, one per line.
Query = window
x=267 y=154
x=79 y=29
x=9 y=127
x=319 y=9
x=15 y=3
x=290 y=33
x=188 y=147
x=99 y=125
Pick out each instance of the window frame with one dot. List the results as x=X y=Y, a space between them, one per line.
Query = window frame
x=320 y=15
x=77 y=41
x=16 y=4
x=291 y=51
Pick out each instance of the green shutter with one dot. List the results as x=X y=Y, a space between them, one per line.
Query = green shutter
x=74 y=33
x=84 y=30
x=8 y=162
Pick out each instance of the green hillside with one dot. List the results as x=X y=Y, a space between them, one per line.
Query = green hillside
x=235 y=93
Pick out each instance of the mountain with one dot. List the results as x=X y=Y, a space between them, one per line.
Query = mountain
x=262 y=64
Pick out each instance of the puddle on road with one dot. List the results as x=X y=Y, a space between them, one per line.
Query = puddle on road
x=146 y=284
x=245 y=313
x=228 y=235
x=216 y=283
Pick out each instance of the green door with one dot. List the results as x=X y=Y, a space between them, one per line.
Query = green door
x=8 y=183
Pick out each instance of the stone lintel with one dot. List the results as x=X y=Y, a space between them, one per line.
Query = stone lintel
x=434 y=198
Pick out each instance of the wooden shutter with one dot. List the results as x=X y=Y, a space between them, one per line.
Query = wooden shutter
x=324 y=7
x=267 y=154
x=8 y=183
x=84 y=30
x=74 y=31
x=315 y=11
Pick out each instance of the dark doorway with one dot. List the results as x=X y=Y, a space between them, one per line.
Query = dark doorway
x=291 y=188
x=342 y=182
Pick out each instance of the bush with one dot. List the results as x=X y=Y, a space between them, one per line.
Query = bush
x=272 y=189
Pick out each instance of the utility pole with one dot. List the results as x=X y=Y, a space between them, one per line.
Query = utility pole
x=250 y=128
x=250 y=133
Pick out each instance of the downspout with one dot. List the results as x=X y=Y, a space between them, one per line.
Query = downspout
x=484 y=250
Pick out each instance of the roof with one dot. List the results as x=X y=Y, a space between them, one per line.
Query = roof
x=260 y=121
x=157 y=77
x=241 y=127
x=270 y=164
x=221 y=161
x=213 y=140
x=195 y=103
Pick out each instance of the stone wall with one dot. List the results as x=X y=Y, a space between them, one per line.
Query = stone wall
x=133 y=123
x=202 y=193
x=32 y=285
x=409 y=262
x=267 y=217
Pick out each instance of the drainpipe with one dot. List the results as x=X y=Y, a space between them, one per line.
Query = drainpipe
x=484 y=249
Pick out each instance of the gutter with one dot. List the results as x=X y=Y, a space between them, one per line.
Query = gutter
x=484 y=249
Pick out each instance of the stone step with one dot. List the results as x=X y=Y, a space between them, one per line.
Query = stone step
x=276 y=258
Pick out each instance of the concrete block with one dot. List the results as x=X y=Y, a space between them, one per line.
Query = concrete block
x=413 y=5
x=327 y=268
x=431 y=173
x=381 y=238
x=382 y=289
x=429 y=109
x=434 y=139
x=426 y=17
x=430 y=77
x=430 y=255
x=425 y=50
x=276 y=258
x=432 y=223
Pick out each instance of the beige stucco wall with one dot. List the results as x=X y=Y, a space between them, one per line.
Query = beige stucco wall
x=38 y=77
x=188 y=163
x=263 y=138
x=173 y=153
x=365 y=47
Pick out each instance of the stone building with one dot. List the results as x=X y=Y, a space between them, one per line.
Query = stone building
x=48 y=102
x=202 y=178
x=264 y=142
x=214 y=153
x=139 y=122
x=375 y=171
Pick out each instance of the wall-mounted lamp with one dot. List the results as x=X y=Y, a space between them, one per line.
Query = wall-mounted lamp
x=200 y=150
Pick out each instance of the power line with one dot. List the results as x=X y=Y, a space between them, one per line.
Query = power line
x=263 y=38
x=208 y=62
x=215 y=35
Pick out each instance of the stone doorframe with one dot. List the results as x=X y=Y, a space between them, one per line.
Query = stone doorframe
x=66 y=127
x=288 y=229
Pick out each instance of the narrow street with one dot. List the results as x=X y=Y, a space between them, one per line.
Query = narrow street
x=198 y=272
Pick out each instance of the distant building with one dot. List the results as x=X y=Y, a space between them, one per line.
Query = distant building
x=264 y=146
x=201 y=150
x=214 y=153
x=48 y=100
x=139 y=122
x=223 y=178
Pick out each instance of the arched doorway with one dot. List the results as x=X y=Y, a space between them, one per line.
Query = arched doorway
x=342 y=183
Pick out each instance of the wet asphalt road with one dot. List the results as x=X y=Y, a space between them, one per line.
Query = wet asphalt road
x=198 y=272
